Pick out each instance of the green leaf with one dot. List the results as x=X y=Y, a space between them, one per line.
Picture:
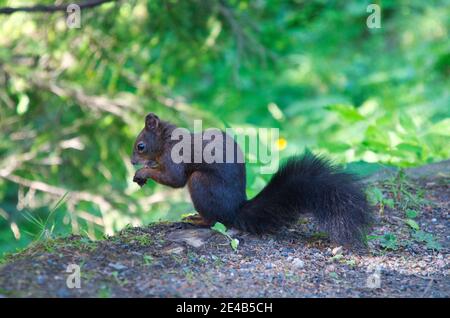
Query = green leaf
x=389 y=203
x=428 y=238
x=347 y=112
x=434 y=245
x=219 y=227
x=363 y=168
x=148 y=259
x=389 y=241
x=336 y=146
x=334 y=275
x=441 y=128
x=422 y=236
x=375 y=195
x=22 y=106
x=411 y=214
x=413 y=224
x=373 y=237
x=409 y=148
x=407 y=123
x=188 y=214
x=234 y=244
x=351 y=262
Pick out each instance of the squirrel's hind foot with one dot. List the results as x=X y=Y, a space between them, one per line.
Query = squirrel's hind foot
x=197 y=219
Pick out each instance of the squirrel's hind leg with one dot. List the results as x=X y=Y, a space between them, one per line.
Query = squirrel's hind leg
x=198 y=220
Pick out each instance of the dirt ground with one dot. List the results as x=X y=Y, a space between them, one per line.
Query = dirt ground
x=181 y=260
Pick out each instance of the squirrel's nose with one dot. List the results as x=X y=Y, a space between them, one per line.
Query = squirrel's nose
x=134 y=161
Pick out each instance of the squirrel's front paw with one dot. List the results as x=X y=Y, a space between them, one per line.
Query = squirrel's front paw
x=139 y=180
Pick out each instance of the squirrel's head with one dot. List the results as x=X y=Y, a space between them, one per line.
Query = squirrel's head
x=148 y=144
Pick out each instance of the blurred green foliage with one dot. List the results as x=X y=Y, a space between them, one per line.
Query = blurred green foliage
x=73 y=100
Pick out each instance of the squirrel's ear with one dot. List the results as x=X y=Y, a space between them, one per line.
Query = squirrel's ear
x=151 y=121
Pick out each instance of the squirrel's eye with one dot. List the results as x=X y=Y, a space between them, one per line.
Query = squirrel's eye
x=140 y=146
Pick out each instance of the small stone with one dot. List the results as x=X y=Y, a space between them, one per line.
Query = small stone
x=330 y=268
x=195 y=238
x=40 y=279
x=269 y=266
x=298 y=263
x=143 y=286
x=433 y=220
x=334 y=275
x=337 y=250
x=288 y=250
x=136 y=253
x=174 y=250
x=117 y=266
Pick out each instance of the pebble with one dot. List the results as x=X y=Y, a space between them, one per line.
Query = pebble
x=298 y=263
x=157 y=265
x=337 y=250
x=136 y=253
x=330 y=268
x=247 y=275
x=174 y=250
x=422 y=264
x=247 y=266
x=288 y=250
x=40 y=279
x=117 y=266
x=440 y=263
x=269 y=266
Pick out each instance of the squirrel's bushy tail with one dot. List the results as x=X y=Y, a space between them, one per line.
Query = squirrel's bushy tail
x=309 y=184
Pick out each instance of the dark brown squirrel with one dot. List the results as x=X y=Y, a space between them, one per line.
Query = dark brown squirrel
x=303 y=184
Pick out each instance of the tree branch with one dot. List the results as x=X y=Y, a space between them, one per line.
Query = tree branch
x=53 y=8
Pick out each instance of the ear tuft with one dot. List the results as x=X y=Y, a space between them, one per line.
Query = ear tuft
x=151 y=121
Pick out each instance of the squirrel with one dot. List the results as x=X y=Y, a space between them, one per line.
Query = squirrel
x=304 y=184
